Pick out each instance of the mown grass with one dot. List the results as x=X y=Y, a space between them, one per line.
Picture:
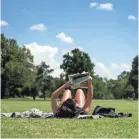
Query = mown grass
x=69 y=128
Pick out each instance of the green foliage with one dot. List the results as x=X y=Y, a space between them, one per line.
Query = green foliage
x=43 y=78
x=16 y=64
x=76 y=61
x=118 y=90
x=133 y=78
x=127 y=88
x=100 y=89
x=20 y=77
x=129 y=92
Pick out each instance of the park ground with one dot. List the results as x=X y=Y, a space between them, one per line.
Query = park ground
x=69 y=128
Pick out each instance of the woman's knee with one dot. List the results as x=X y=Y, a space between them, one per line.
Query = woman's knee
x=80 y=97
x=79 y=94
x=67 y=91
x=67 y=94
x=79 y=91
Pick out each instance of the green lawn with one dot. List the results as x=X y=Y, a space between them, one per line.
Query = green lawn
x=69 y=128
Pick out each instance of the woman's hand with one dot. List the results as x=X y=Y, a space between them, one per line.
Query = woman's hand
x=84 y=84
x=87 y=83
x=67 y=84
x=90 y=82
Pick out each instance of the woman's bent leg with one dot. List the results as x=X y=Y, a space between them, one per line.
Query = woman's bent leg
x=80 y=97
x=66 y=95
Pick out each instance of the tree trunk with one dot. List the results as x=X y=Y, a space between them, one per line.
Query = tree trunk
x=3 y=89
x=34 y=98
x=44 y=96
x=136 y=93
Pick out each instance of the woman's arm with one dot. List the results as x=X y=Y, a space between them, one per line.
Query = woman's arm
x=87 y=105
x=55 y=95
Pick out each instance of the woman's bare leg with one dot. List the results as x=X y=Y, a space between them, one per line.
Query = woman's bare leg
x=67 y=94
x=80 y=97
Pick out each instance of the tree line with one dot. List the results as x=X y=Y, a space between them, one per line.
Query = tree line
x=20 y=77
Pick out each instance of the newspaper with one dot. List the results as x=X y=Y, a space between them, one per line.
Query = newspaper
x=77 y=79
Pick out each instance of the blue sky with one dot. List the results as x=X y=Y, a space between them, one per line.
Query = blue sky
x=105 y=29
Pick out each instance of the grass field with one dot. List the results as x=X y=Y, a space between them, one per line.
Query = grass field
x=69 y=128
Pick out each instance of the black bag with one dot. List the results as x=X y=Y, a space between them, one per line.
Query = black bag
x=109 y=112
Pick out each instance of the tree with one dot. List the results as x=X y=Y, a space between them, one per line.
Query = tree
x=56 y=83
x=124 y=75
x=34 y=92
x=129 y=92
x=16 y=66
x=133 y=78
x=43 y=78
x=76 y=61
x=123 y=78
x=118 y=90
x=98 y=87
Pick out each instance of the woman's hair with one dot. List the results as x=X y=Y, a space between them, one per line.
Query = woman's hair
x=67 y=109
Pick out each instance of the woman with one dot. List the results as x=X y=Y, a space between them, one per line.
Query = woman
x=80 y=100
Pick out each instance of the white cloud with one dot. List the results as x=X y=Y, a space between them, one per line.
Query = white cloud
x=121 y=67
x=47 y=54
x=106 y=7
x=101 y=69
x=132 y=17
x=62 y=36
x=114 y=66
x=111 y=70
x=93 y=4
x=3 y=23
x=38 y=27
